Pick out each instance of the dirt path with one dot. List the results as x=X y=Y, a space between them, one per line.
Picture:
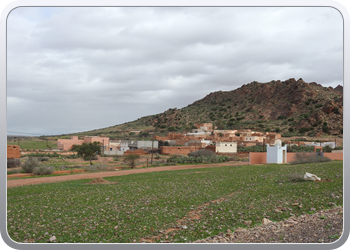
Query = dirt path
x=39 y=180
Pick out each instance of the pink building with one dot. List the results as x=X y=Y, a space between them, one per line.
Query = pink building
x=66 y=144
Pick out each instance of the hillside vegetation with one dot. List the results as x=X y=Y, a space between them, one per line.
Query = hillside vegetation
x=290 y=107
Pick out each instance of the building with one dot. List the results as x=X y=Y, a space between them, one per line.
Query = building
x=66 y=144
x=226 y=147
x=276 y=153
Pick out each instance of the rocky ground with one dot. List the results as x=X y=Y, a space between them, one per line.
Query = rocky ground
x=321 y=227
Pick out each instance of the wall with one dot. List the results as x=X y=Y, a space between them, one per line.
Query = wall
x=113 y=152
x=47 y=152
x=135 y=152
x=334 y=156
x=103 y=140
x=13 y=151
x=260 y=157
x=66 y=144
x=257 y=157
x=147 y=144
x=181 y=150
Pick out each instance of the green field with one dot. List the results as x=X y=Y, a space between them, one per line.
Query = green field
x=146 y=205
x=33 y=143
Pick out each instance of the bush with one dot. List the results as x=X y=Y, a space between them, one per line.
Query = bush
x=199 y=159
x=42 y=158
x=202 y=152
x=14 y=171
x=295 y=148
x=327 y=148
x=295 y=177
x=91 y=168
x=116 y=158
x=73 y=156
x=63 y=167
x=30 y=164
x=308 y=158
x=87 y=158
x=43 y=170
x=252 y=149
x=13 y=163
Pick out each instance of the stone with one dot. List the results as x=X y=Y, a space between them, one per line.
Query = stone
x=53 y=238
x=248 y=222
x=266 y=221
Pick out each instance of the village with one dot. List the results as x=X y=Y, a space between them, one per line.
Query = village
x=205 y=136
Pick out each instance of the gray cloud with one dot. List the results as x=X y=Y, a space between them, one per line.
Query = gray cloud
x=76 y=69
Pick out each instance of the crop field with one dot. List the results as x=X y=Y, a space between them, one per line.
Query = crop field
x=170 y=206
x=33 y=143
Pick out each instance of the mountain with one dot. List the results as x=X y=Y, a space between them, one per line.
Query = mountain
x=290 y=106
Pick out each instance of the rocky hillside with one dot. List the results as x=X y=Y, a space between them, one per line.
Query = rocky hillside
x=291 y=106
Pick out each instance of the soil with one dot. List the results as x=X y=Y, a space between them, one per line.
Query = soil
x=39 y=180
x=100 y=181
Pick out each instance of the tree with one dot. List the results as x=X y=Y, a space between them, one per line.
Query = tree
x=87 y=150
x=131 y=160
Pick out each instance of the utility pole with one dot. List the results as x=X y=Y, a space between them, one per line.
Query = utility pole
x=152 y=150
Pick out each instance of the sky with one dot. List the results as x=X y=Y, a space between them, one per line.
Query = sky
x=74 y=69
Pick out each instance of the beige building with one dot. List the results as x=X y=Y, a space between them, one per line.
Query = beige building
x=66 y=144
x=226 y=147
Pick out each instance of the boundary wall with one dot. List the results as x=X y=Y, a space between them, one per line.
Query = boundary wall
x=260 y=157
x=13 y=151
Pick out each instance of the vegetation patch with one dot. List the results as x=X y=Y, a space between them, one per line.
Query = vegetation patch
x=301 y=158
x=100 y=181
x=147 y=205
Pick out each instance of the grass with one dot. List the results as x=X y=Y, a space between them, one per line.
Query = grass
x=142 y=205
x=33 y=143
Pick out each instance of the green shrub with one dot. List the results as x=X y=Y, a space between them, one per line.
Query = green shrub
x=202 y=152
x=295 y=177
x=116 y=158
x=30 y=164
x=325 y=129
x=73 y=156
x=91 y=168
x=94 y=157
x=199 y=159
x=63 y=167
x=295 y=148
x=13 y=163
x=252 y=149
x=308 y=158
x=42 y=158
x=14 y=171
x=327 y=149
x=43 y=170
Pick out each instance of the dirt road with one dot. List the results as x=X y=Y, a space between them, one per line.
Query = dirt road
x=32 y=181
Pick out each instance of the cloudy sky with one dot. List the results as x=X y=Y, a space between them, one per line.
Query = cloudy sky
x=75 y=69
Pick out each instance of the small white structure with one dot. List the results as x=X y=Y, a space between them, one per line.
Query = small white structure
x=276 y=153
x=226 y=147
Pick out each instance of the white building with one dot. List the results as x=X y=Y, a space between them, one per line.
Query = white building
x=276 y=153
